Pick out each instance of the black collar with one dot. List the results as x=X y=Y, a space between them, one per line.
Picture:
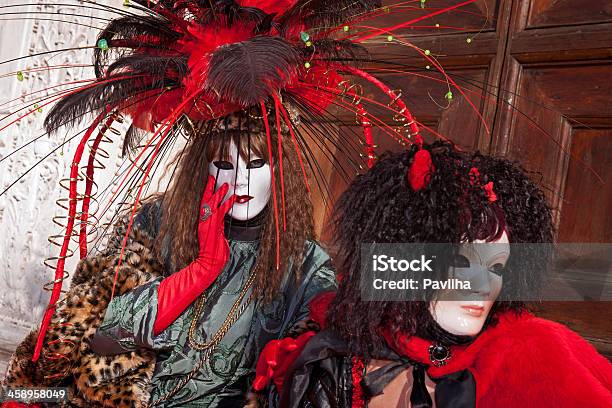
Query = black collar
x=248 y=230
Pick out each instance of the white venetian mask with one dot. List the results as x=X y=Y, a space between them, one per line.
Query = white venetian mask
x=251 y=182
x=467 y=312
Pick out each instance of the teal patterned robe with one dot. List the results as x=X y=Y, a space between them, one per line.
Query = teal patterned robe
x=225 y=378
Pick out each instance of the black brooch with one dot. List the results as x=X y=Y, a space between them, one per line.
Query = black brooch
x=439 y=354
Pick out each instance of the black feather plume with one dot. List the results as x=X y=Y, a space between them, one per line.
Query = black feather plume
x=111 y=92
x=162 y=70
x=133 y=137
x=156 y=29
x=325 y=14
x=265 y=25
x=249 y=71
x=344 y=51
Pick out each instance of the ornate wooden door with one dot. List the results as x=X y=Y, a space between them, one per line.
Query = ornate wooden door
x=550 y=61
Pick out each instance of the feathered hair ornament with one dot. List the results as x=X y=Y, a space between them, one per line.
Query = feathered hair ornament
x=174 y=62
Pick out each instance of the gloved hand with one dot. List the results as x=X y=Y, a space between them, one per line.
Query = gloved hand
x=178 y=291
x=276 y=358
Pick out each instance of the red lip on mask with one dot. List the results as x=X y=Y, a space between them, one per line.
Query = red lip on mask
x=243 y=199
x=474 y=310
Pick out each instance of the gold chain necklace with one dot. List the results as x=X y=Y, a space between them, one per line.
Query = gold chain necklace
x=208 y=347
x=231 y=318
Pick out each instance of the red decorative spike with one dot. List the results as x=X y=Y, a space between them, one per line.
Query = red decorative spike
x=59 y=270
x=403 y=109
x=89 y=185
x=367 y=132
x=420 y=170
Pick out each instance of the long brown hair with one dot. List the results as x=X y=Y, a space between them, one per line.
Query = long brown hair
x=180 y=203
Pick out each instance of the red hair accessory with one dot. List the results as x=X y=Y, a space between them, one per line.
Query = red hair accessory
x=421 y=169
x=488 y=188
x=474 y=176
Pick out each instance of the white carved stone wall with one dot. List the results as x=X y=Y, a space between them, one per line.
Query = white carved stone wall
x=27 y=209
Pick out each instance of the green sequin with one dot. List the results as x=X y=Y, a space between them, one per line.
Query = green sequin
x=102 y=44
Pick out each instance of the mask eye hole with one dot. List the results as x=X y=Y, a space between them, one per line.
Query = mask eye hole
x=256 y=163
x=497 y=268
x=460 y=261
x=223 y=165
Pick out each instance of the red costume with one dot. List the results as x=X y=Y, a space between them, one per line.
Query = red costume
x=524 y=361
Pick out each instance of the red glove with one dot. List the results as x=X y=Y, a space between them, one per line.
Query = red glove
x=276 y=358
x=178 y=291
x=14 y=404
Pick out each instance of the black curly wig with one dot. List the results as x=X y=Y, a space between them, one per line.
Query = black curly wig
x=381 y=207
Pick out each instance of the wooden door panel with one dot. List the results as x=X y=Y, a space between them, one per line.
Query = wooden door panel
x=553 y=103
x=544 y=13
x=580 y=202
x=566 y=44
x=577 y=91
x=478 y=16
x=449 y=50
x=585 y=209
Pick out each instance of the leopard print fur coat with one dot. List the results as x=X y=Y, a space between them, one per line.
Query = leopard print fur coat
x=67 y=360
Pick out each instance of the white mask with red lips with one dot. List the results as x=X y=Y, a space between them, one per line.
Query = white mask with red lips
x=467 y=312
x=251 y=182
